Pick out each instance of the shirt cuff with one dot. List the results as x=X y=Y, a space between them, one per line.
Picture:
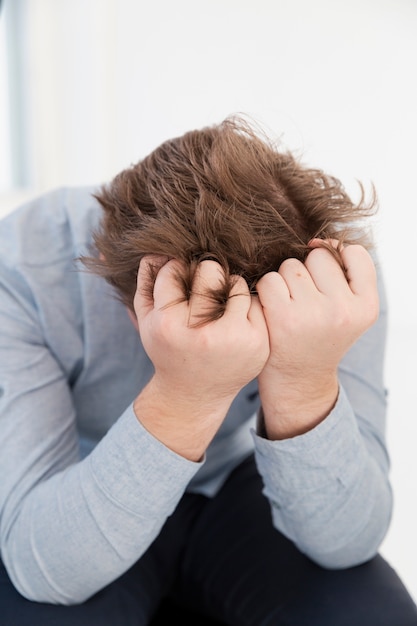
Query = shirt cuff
x=330 y=450
x=137 y=471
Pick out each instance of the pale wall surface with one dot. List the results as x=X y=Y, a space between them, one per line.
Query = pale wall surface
x=102 y=82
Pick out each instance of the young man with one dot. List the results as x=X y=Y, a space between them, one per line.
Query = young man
x=207 y=424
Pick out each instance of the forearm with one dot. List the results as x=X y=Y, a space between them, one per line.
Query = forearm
x=186 y=425
x=85 y=526
x=291 y=406
x=329 y=489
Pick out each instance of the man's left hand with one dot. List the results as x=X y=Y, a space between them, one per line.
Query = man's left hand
x=314 y=313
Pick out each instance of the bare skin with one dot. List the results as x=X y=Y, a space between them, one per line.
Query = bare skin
x=314 y=315
x=198 y=371
x=292 y=337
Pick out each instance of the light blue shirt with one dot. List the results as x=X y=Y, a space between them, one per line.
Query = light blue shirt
x=85 y=489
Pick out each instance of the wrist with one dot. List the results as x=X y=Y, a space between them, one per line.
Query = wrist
x=291 y=408
x=183 y=424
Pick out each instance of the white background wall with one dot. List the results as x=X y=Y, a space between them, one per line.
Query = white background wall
x=98 y=83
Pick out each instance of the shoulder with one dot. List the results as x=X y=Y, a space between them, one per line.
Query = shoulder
x=50 y=228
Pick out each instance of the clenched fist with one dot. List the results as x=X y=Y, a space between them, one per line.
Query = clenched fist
x=314 y=314
x=198 y=369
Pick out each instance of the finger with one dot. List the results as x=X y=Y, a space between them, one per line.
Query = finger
x=167 y=289
x=209 y=277
x=243 y=306
x=148 y=267
x=297 y=278
x=256 y=314
x=240 y=299
x=318 y=243
x=360 y=270
x=326 y=272
x=273 y=290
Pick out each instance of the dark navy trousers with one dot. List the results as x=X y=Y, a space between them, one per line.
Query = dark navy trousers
x=220 y=561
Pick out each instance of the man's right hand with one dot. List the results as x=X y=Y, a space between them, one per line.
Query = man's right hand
x=198 y=369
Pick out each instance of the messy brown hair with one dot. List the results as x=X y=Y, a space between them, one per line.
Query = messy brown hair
x=225 y=192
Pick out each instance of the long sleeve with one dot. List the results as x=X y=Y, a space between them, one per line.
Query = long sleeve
x=70 y=526
x=329 y=488
x=69 y=369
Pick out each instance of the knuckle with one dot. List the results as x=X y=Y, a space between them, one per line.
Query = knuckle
x=165 y=326
x=342 y=317
x=291 y=264
x=266 y=281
